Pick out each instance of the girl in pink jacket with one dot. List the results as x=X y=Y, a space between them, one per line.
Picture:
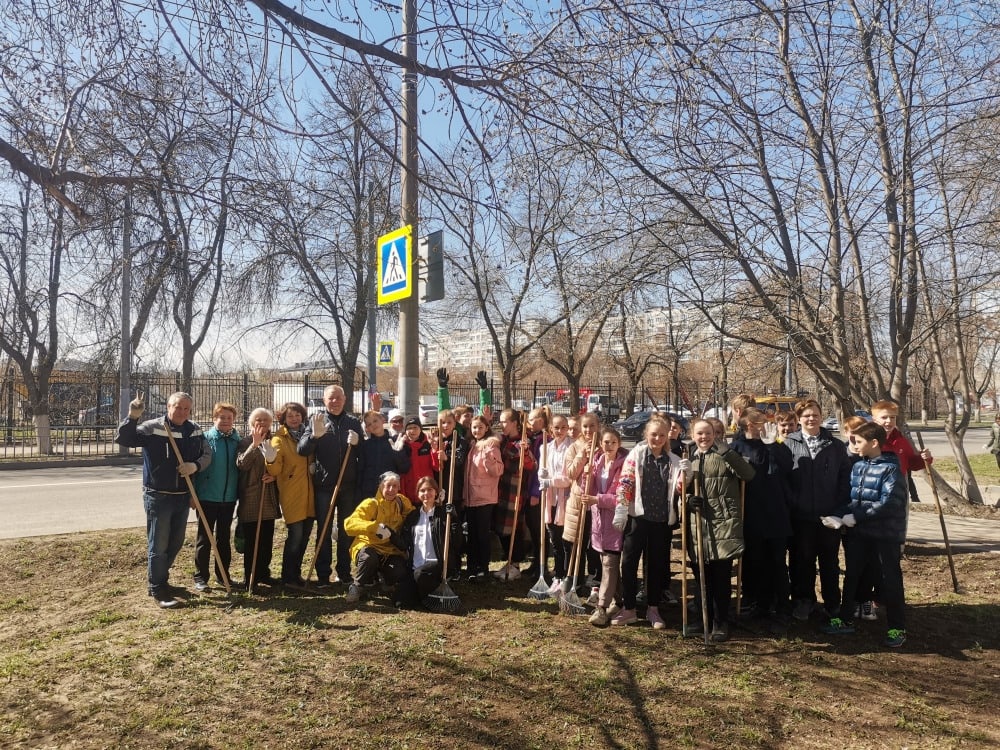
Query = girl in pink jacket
x=483 y=468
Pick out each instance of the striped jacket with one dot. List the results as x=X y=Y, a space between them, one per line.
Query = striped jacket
x=159 y=463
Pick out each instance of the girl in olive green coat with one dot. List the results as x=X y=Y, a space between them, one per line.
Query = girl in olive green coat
x=717 y=473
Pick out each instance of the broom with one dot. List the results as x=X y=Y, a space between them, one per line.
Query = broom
x=569 y=602
x=541 y=589
x=443 y=599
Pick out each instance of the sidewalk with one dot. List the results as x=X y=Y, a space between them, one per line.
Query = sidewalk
x=971 y=534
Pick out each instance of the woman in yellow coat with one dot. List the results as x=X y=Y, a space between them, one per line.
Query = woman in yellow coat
x=377 y=549
x=293 y=474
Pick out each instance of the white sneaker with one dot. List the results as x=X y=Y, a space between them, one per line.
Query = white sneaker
x=555 y=587
x=353 y=594
x=508 y=573
x=599 y=618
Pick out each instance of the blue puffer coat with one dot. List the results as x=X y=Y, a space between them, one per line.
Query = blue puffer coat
x=878 y=498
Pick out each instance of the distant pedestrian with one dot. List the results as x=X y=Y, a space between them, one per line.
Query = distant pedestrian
x=993 y=446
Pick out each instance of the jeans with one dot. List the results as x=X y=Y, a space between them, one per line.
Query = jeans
x=220 y=519
x=166 y=523
x=294 y=551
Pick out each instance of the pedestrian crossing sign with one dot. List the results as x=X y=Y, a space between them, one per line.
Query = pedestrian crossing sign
x=386 y=353
x=395 y=265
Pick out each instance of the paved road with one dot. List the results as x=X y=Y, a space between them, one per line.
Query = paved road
x=61 y=500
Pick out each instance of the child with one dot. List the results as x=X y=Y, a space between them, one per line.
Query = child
x=885 y=414
x=517 y=458
x=422 y=537
x=379 y=453
x=876 y=519
x=483 y=469
x=577 y=459
x=787 y=422
x=605 y=538
x=557 y=486
x=715 y=501
x=423 y=458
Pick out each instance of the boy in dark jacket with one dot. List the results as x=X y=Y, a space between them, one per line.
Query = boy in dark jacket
x=876 y=519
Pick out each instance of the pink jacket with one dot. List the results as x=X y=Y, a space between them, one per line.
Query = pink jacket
x=604 y=537
x=483 y=468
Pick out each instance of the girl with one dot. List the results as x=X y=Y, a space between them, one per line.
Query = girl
x=423 y=457
x=715 y=503
x=422 y=537
x=483 y=469
x=295 y=488
x=577 y=459
x=604 y=537
x=516 y=456
x=258 y=499
x=538 y=433
x=557 y=485
x=646 y=512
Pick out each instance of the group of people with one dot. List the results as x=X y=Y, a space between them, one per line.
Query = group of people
x=560 y=493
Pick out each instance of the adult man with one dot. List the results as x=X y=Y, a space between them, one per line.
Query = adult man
x=327 y=436
x=165 y=493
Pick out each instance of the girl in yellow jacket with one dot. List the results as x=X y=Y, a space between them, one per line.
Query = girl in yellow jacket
x=295 y=488
x=377 y=549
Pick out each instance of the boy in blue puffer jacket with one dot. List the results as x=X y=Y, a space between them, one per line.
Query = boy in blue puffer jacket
x=876 y=522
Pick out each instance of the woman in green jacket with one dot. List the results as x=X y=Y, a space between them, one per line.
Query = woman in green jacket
x=216 y=488
x=717 y=473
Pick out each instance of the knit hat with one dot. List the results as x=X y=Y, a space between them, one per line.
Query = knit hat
x=414 y=420
x=394 y=414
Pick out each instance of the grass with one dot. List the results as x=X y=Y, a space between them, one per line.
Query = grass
x=87 y=661
x=984 y=468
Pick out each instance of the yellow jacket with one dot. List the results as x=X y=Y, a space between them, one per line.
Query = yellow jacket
x=295 y=486
x=363 y=523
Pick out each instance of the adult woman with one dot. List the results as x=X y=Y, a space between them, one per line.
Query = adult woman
x=258 y=499
x=483 y=468
x=295 y=488
x=216 y=488
x=993 y=445
x=649 y=478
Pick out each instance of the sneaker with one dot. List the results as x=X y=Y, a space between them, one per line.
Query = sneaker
x=653 y=615
x=720 y=632
x=625 y=617
x=895 y=638
x=868 y=611
x=594 y=597
x=164 y=600
x=556 y=587
x=323 y=583
x=508 y=573
x=201 y=586
x=668 y=597
x=802 y=609
x=613 y=610
x=599 y=617
x=836 y=626
x=353 y=594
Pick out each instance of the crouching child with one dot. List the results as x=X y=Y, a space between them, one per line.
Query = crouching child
x=876 y=529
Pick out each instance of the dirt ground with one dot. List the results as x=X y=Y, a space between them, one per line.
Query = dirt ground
x=88 y=661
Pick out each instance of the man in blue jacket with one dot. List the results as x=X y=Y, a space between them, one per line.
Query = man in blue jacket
x=165 y=492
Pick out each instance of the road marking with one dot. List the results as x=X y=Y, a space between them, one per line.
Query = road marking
x=64 y=484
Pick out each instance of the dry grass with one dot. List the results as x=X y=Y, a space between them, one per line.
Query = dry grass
x=87 y=661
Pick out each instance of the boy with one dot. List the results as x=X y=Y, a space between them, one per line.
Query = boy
x=379 y=453
x=876 y=517
x=885 y=414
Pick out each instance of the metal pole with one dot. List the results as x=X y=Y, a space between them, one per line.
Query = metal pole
x=125 y=362
x=372 y=306
x=409 y=329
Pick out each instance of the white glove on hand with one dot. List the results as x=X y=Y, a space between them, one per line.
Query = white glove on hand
x=684 y=465
x=832 y=522
x=382 y=532
x=318 y=425
x=352 y=437
x=269 y=451
x=770 y=433
x=399 y=442
x=543 y=474
x=187 y=468
x=544 y=484
x=621 y=517
x=136 y=407
x=849 y=520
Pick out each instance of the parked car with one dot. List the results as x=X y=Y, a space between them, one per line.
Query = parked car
x=428 y=414
x=633 y=425
x=833 y=424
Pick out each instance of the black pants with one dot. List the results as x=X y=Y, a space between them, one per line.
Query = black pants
x=220 y=519
x=558 y=548
x=765 y=574
x=369 y=564
x=479 y=522
x=718 y=590
x=649 y=539
x=263 y=552
x=812 y=542
x=417 y=585
x=879 y=558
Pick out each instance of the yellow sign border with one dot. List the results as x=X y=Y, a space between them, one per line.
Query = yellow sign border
x=407 y=290
x=392 y=349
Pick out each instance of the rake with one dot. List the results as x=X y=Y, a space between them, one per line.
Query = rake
x=569 y=602
x=541 y=589
x=684 y=554
x=443 y=599
x=517 y=501
x=329 y=515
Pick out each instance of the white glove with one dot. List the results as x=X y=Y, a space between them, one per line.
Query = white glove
x=269 y=451
x=831 y=522
x=312 y=468
x=382 y=532
x=621 y=517
x=187 y=468
x=684 y=465
x=318 y=425
x=544 y=484
x=770 y=433
x=849 y=521
x=399 y=442
x=352 y=437
x=543 y=474
x=135 y=408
